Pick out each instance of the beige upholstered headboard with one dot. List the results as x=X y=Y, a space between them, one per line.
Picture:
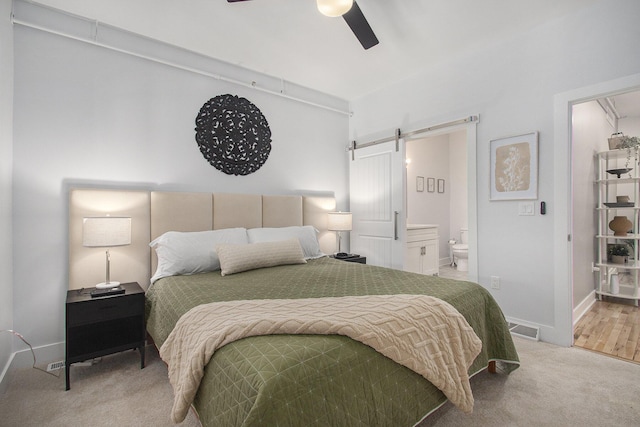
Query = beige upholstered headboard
x=156 y=212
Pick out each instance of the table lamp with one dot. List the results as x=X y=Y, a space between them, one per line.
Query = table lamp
x=340 y=221
x=106 y=232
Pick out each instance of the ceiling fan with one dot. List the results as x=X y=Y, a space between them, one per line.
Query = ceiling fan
x=351 y=13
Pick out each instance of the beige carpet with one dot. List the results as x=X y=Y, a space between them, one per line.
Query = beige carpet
x=554 y=387
x=114 y=392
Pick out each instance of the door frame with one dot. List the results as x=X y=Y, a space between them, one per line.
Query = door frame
x=562 y=331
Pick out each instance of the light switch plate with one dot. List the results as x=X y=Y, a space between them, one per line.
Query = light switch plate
x=526 y=208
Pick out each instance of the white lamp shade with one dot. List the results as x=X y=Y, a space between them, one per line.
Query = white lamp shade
x=106 y=231
x=340 y=221
x=334 y=8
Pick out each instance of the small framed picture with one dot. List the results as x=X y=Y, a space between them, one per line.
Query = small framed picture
x=441 y=186
x=420 y=183
x=431 y=185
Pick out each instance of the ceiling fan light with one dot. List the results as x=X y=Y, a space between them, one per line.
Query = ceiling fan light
x=334 y=8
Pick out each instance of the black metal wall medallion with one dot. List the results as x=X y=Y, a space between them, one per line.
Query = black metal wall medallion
x=233 y=135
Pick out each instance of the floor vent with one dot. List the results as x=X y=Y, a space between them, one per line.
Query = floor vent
x=54 y=366
x=525 y=331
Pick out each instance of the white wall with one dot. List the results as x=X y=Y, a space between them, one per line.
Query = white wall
x=512 y=86
x=590 y=133
x=629 y=126
x=85 y=115
x=6 y=156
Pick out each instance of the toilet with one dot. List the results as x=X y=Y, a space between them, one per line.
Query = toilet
x=461 y=251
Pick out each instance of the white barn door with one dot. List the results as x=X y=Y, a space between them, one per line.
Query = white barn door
x=377 y=187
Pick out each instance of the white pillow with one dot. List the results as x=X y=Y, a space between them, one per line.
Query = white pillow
x=306 y=235
x=239 y=258
x=192 y=252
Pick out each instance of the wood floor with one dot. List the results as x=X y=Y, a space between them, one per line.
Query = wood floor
x=612 y=329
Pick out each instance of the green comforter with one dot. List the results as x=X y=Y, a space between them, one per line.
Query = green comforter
x=306 y=380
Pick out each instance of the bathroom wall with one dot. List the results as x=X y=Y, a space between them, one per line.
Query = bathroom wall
x=439 y=157
x=458 y=212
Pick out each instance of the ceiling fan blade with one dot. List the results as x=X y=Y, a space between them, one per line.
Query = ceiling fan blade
x=360 y=27
x=357 y=22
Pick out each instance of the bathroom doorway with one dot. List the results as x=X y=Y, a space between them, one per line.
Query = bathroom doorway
x=437 y=189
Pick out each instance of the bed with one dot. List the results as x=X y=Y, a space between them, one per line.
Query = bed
x=310 y=377
x=287 y=379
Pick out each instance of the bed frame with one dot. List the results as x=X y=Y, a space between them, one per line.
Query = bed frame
x=156 y=212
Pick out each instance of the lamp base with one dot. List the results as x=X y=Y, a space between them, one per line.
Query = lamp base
x=107 y=285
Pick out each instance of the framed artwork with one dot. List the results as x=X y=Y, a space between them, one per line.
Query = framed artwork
x=431 y=185
x=420 y=183
x=441 y=186
x=514 y=167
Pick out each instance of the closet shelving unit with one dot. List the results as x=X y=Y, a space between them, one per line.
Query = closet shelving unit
x=609 y=186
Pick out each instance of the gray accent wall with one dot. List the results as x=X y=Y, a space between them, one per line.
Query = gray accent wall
x=6 y=157
x=90 y=116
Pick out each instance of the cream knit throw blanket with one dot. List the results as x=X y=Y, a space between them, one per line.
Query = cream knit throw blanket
x=423 y=333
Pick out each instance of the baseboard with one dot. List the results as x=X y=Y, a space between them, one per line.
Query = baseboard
x=24 y=359
x=444 y=261
x=583 y=307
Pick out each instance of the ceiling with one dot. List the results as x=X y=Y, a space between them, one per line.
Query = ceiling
x=291 y=40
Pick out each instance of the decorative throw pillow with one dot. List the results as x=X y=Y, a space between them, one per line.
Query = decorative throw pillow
x=238 y=258
x=307 y=236
x=192 y=252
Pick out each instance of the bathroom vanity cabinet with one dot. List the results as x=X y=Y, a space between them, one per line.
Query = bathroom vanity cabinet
x=619 y=280
x=422 y=249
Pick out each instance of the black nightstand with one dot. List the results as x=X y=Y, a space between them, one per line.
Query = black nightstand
x=352 y=258
x=100 y=326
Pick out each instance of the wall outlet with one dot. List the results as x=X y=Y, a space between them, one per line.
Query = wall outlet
x=495 y=282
